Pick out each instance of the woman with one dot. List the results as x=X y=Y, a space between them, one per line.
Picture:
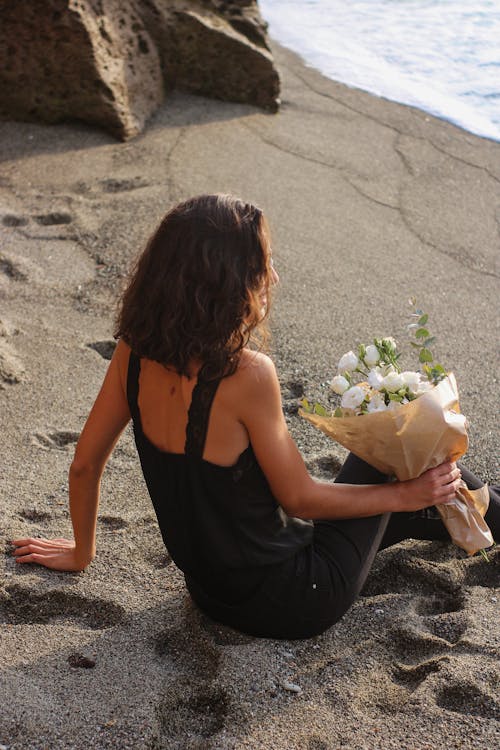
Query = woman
x=263 y=546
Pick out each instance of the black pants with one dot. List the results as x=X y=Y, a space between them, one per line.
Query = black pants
x=361 y=538
x=308 y=593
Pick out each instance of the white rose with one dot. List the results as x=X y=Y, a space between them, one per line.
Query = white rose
x=339 y=384
x=389 y=341
x=423 y=387
x=412 y=380
x=353 y=397
x=376 y=403
x=371 y=355
x=348 y=362
x=393 y=382
x=375 y=378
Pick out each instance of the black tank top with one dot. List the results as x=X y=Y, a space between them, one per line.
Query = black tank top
x=221 y=525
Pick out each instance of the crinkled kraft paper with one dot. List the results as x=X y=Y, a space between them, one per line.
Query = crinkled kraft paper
x=409 y=440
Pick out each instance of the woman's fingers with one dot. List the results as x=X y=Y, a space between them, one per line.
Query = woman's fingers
x=447 y=490
x=41 y=551
x=42 y=542
x=58 y=554
x=31 y=558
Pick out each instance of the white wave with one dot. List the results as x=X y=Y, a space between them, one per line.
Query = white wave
x=438 y=55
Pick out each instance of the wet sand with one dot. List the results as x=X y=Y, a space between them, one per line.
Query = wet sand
x=369 y=202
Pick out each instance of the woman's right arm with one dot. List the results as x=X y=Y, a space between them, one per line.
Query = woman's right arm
x=105 y=423
x=297 y=492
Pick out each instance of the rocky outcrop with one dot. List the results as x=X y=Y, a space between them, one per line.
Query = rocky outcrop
x=109 y=62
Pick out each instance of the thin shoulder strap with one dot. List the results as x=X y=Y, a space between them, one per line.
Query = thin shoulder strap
x=198 y=416
x=134 y=368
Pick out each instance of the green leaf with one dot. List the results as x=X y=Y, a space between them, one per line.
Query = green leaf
x=306 y=405
x=425 y=356
x=439 y=368
x=338 y=412
x=422 y=333
x=320 y=410
x=429 y=341
x=395 y=397
x=415 y=345
x=423 y=320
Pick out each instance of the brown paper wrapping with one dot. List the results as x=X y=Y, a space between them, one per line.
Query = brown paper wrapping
x=409 y=440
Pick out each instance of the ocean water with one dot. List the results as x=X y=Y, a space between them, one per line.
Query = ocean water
x=442 y=56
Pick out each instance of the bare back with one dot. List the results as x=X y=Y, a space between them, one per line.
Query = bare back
x=164 y=401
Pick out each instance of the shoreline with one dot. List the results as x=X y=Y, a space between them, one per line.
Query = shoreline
x=369 y=203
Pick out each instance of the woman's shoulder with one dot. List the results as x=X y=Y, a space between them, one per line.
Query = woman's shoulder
x=255 y=377
x=255 y=366
x=120 y=360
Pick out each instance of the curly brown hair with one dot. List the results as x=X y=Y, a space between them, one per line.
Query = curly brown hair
x=195 y=293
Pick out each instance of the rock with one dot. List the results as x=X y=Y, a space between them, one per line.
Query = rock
x=292 y=687
x=108 y=62
x=91 y=60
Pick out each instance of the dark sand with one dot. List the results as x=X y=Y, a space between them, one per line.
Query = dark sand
x=370 y=202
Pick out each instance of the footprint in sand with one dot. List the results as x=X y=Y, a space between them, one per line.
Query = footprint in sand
x=480 y=573
x=291 y=392
x=159 y=560
x=444 y=616
x=11 y=220
x=192 y=704
x=189 y=700
x=35 y=516
x=315 y=743
x=113 y=523
x=11 y=269
x=104 y=348
x=467 y=698
x=52 y=219
x=58 y=439
x=19 y=605
x=412 y=676
x=11 y=368
x=122 y=186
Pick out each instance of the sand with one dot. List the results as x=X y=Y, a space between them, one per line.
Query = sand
x=369 y=203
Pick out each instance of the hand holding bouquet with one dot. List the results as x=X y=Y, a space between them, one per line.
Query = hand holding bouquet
x=410 y=423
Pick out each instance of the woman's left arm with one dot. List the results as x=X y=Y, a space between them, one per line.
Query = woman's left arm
x=102 y=429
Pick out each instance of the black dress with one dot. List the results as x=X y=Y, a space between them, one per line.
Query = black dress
x=245 y=562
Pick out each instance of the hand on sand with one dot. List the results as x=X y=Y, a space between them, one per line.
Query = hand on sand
x=58 y=554
x=434 y=487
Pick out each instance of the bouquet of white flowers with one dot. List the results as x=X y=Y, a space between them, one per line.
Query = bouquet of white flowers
x=411 y=422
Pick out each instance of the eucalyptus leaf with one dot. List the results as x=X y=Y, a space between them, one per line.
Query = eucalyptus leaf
x=423 y=319
x=425 y=356
x=429 y=341
x=422 y=333
x=320 y=410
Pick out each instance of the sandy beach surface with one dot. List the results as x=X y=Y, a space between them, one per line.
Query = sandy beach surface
x=369 y=202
